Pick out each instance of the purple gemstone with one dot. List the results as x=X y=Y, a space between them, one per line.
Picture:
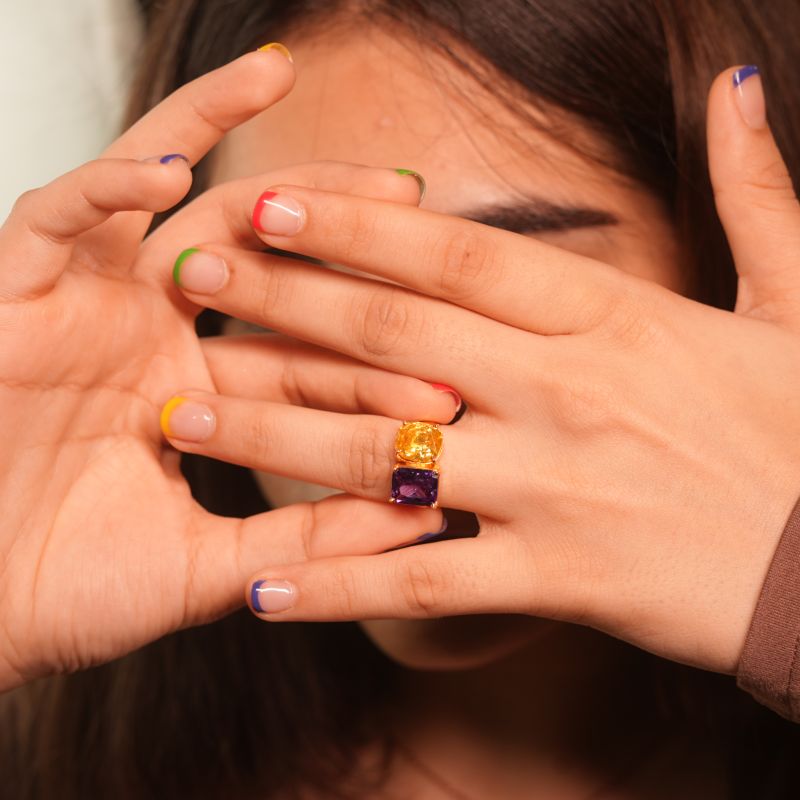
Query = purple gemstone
x=415 y=487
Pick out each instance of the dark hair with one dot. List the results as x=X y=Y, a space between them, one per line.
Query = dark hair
x=187 y=716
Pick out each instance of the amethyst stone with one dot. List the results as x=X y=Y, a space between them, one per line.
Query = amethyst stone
x=415 y=487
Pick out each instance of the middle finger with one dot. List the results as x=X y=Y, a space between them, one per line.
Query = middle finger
x=373 y=321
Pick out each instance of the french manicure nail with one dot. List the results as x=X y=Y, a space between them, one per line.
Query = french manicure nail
x=168 y=159
x=443 y=387
x=187 y=420
x=281 y=48
x=268 y=596
x=750 y=96
x=277 y=214
x=200 y=272
x=423 y=187
x=172 y=157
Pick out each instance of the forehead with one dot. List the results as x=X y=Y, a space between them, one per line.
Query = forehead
x=374 y=98
x=378 y=99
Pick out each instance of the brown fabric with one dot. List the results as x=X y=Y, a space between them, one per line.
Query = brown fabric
x=770 y=664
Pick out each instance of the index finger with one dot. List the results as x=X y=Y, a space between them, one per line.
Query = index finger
x=195 y=117
x=189 y=122
x=506 y=276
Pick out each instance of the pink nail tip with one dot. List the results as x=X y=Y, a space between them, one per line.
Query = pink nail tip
x=443 y=387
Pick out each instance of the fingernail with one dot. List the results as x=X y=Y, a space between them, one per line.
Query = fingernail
x=423 y=187
x=750 y=96
x=187 y=420
x=168 y=159
x=443 y=387
x=277 y=214
x=281 y=48
x=268 y=596
x=197 y=271
x=426 y=536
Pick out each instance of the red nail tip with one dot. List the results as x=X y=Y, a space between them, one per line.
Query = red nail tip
x=265 y=196
x=443 y=387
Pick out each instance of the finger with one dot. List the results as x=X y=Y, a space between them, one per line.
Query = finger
x=191 y=121
x=487 y=574
x=351 y=452
x=224 y=213
x=755 y=197
x=283 y=370
x=37 y=239
x=505 y=276
x=371 y=321
x=226 y=551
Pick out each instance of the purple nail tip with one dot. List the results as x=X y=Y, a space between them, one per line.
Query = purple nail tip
x=171 y=157
x=744 y=73
x=254 y=600
x=415 y=487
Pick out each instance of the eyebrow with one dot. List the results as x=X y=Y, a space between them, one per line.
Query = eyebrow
x=536 y=216
x=540 y=215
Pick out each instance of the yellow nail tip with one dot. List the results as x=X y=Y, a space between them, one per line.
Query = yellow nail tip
x=281 y=48
x=166 y=413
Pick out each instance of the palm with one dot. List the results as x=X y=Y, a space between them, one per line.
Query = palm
x=102 y=542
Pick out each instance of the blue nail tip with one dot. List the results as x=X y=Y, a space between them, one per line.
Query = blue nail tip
x=171 y=157
x=254 y=599
x=744 y=73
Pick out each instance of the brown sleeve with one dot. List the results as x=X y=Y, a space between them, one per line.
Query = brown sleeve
x=770 y=664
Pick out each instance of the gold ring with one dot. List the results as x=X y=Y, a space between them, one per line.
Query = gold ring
x=415 y=477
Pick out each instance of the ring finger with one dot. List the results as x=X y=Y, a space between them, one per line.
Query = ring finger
x=351 y=452
x=271 y=367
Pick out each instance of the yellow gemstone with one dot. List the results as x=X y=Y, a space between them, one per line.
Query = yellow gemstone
x=418 y=442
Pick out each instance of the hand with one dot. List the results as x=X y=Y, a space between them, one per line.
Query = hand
x=102 y=547
x=632 y=455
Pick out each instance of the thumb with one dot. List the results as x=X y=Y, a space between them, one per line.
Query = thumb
x=755 y=198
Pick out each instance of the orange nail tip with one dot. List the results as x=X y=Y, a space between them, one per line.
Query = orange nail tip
x=166 y=413
x=281 y=48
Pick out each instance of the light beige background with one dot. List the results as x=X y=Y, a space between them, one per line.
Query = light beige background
x=65 y=67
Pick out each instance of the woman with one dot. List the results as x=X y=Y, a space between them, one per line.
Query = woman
x=635 y=476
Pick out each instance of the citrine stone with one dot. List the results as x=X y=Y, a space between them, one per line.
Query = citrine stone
x=418 y=443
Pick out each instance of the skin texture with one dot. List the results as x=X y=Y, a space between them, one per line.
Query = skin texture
x=377 y=104
x=591 y=383
x=588 y=394
x=521 y=679
x=102 y=547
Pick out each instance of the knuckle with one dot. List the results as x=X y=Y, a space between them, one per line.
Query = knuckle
x=583 y=404
x=259 y=431
x=272 y=293
x=464 y=264
x=369 y=461
x=422 y=589
x=37 y=214
x=766 y=188
x=341 y=591
x=633 y=319
x=354 y=225
x=195 y=104
x=385 y=320
x=26 y=203
x=770 y=178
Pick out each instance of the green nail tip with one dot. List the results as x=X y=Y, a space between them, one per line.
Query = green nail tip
x=176 y=270
x=420 y=180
